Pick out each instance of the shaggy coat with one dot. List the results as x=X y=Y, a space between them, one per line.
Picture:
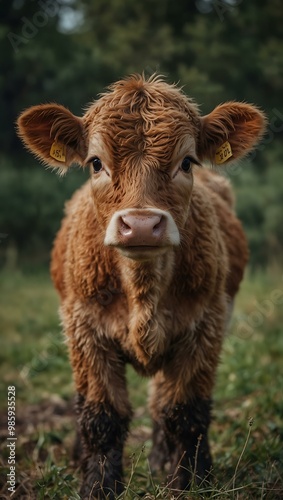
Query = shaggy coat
x=147 y=262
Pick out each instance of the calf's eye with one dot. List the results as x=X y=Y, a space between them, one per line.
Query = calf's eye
x=186 y=165
x=96 y=165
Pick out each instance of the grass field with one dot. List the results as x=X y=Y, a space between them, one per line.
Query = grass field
x=246 y=434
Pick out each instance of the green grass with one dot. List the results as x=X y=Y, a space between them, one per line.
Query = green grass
x=246 y=433
x=32 y=351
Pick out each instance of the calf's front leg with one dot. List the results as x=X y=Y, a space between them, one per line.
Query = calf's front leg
x=181 y=439
x=181 y=409
x=103 y=432
x=103 y=413
x=186 y=428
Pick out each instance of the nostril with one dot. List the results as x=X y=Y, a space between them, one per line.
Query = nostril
x=159 y=226
x=158 y=223
x=124 y=227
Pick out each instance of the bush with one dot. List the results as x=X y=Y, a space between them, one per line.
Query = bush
x=31 y=207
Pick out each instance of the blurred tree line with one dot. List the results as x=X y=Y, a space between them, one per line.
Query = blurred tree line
x=69 y=50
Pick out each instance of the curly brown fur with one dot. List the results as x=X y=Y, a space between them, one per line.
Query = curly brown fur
x=168 y=303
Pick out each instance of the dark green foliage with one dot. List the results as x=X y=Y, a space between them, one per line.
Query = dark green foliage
x=31 y=207
x=69 y=50
x=259 y=194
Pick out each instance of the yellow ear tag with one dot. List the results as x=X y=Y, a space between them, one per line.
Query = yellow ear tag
x=58 y=151
x=223 y=153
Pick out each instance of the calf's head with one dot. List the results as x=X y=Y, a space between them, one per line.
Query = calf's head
x=142 y=140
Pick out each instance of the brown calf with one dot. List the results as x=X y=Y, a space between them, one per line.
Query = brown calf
x=156 y=226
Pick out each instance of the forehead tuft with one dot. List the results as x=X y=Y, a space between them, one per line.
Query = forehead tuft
x=137 y=91
x=143 y=116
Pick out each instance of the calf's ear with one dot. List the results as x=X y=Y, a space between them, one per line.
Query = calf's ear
x=53 y=134
x=230 y=132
